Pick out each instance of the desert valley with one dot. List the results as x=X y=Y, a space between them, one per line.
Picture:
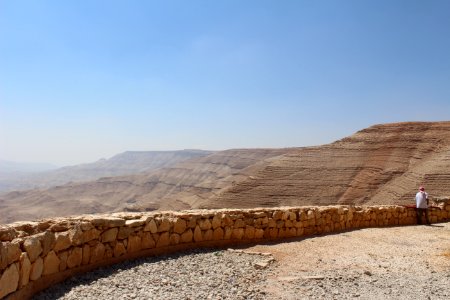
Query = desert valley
x=382 y=164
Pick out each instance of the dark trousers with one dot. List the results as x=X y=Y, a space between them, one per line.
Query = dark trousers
x=420 y=212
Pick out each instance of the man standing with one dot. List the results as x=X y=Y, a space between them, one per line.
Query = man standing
x=422 y=205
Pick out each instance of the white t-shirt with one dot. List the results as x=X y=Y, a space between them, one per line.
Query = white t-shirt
x=421 y=200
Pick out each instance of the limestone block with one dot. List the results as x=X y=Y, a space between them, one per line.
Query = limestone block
x=7 y=233
x=109 y=253
x=204 y=224
x=218 y=234
x=310 y=215
x=36 y=269
x=262 y=221
x=259 y=214
x=282 y=233
x=89 y=235
x=10 y=252
x=97 y=253
x=164 y=240
x=292 y=232
x=9 y=280
x=227 y=221
x=302 y=215
x=62 y=241
x=86 y=254
x=85 y=226
x=239 y=223
x=109 y=235
x=51 y=263
x=192 y=222
x=292 y=216
x=108 y=222
x=272 y=223
x=277 y=215
x=124 y=232
x=273 y=233
x=59 y=226
x=320 y=222
x=249 y=221
x=134 y=223
x=47 y=240
x=33 y=247
x=148 y=241
x=174 y=239
x=280 y=224
x=134 y=244
x=288 y=224
x=259 y=233
x=216 y=221
x=63 y=256
x=227 y=233
x=208 y=235
x=75 y=257
x=249 y=232
x=311 y=222
x=198 y=237
x=301 y=231
x=25 y=268
x=164 y=225
x=151 y=226
x=155 y=237
x=285 y=215
x=179 y=226
x=119 y=249
x=187 y=236
x=238 y=233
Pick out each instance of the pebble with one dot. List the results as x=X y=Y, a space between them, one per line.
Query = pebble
x=199 y=274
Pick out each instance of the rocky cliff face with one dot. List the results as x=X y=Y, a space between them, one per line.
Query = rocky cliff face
x=383 y=164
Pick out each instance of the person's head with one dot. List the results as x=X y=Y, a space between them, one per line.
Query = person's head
x=422 y=189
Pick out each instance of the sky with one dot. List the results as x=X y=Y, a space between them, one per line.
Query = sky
x=86 y=79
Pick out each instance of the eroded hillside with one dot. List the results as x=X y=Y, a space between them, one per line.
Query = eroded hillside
x=184 y=185
x=383 y=164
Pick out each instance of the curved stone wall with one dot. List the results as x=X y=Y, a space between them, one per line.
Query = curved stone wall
x=35 y=255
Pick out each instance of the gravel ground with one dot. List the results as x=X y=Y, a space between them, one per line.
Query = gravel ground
x=410 y=262
x=192 y=275
x=379 y=263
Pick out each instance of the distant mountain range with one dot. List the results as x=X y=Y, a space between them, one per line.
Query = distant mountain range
x=382 y=164
x=21 y=176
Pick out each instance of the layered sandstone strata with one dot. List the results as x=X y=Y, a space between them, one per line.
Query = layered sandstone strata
x=35 y=255
x=382 y=164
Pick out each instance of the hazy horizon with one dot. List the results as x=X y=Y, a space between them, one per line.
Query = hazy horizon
x=85 y=80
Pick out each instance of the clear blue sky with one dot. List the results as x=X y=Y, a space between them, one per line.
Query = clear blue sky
x=82 y=80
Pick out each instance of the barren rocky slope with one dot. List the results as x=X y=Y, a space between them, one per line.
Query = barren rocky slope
x=383 y=164
x=130 y=162
x=177 y=187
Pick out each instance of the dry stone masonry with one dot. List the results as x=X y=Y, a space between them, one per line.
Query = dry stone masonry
x=35 y=255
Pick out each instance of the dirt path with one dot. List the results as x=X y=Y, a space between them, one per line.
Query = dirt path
x=379 y=263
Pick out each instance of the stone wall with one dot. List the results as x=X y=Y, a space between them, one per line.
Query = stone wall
x=35 y=255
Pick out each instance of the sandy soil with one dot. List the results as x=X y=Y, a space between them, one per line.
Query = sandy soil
x=378 y=263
